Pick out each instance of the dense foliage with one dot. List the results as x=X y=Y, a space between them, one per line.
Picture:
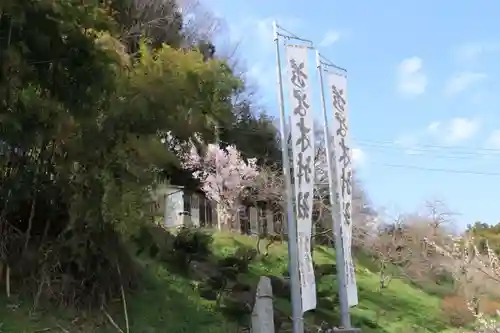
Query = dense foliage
x=88 y=93
x=486 y=235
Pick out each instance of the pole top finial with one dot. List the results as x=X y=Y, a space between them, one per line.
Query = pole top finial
x=275 y=31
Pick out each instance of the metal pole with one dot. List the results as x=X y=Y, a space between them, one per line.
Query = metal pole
x=293 y=263
x=339 y=250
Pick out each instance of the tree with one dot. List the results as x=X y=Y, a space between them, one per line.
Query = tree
x=158 y=21
x=56 y=82
x=83 y=119
x=434 y=225
x=200 y=23
x=471 y=264
x=393 y=250
x=253 y=134
x=403 y=243
x=439 y=214
x=486 y=236
x=224 y=176
x=364 y=216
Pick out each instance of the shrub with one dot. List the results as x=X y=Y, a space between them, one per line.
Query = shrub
x=281 y=286
x=436 y=289
x=208 y=293
x=191 y=244
x=216 y=282
x=238 y=263
x=456 y=311
x=153 y=240
x=444 y=278
x=92 y=267
x=324 y=270
x=489 y=307
x=241 y=287
x=236 y=309
x=213 y=287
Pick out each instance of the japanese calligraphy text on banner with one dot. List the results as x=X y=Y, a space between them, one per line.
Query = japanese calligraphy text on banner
x=337 y=85
x=302 y=135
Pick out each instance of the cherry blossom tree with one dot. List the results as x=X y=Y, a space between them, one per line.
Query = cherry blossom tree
x=225 y=176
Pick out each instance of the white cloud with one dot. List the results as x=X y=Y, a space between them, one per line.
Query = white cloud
x=409 y=142
x=446 y=132
x=463 y=81
x=406 y=140
x=411 y=79
x=468 y=52
x=493 y=141
x=262 y=28
x=261 y=75
x=433 y=127
x=461 y=129
x=358 y=157
x=251 y=47
x=455 y=130
x=257 y=32
x=330 y=37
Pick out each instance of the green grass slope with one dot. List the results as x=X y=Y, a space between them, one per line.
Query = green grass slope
x=170 y=303
x=401 y=308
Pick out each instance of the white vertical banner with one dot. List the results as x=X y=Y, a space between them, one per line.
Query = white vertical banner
x=337 y=85
x=302 y=135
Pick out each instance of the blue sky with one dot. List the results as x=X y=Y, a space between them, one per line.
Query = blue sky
x=423 y=77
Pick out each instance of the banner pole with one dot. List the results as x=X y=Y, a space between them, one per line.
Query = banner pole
x=293 y=263
x=339 y=249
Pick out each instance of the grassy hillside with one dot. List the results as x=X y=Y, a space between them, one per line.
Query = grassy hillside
x=169 y=302
x=399 y=308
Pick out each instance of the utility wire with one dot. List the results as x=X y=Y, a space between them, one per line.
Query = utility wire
x=424 y=146
x=416 y=152
x=391 y=145
x=444 y=170
x=439 y=151
x=431 y=151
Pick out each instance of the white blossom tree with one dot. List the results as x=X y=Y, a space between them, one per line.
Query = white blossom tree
x=471 y=264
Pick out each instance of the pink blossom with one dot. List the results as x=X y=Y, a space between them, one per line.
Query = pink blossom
x=224 y=175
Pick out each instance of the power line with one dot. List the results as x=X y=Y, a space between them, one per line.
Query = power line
x=437 y=151
x=427 y=152
x=427 y=147
x=444 y=170
x=391 y=145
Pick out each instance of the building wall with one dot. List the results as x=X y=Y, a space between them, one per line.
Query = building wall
x=179 y=207
x=174 y=207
